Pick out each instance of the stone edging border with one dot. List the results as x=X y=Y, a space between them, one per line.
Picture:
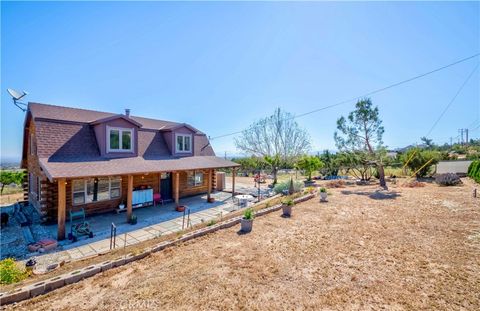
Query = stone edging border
x=53 y=283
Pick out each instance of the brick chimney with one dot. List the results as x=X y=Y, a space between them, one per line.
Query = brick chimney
x=127 y=112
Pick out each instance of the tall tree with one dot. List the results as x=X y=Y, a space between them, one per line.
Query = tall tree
x=278 y=138
x=362 y=131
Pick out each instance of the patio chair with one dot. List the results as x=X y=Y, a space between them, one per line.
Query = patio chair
x=157 y=199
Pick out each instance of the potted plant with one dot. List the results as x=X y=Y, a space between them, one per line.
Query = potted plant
x=323 y=194
x=287 y=207
x=247 y=220
x=133 y=219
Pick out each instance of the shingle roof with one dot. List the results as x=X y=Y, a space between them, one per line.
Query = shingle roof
x=67 y=145
x=136 y=165
x=61 y=113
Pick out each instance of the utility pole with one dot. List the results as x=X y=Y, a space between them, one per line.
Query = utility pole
x=461 y=136
x=225 y=155
x=451 y=141
x=466 y=136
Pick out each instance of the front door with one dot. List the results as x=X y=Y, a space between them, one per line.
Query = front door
x=166 y=186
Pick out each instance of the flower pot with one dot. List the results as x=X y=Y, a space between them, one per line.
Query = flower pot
x=211 y=200
x=121 y=206
x=133 y=221
x=246 y=225
x=180 y=208
x=287 y=210
x=323 y=197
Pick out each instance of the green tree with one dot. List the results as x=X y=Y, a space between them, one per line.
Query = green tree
x=11 y=177
x=309 y=164
x=362 y=131
x=356 y=163
x=331 y=165
x=274 y=163
x=427 y=142
x=420 y=160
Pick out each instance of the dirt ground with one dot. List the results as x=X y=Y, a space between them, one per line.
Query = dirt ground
x=7 y=199
x=405 y=249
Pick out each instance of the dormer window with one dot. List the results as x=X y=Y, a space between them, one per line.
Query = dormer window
x=184 y=143
x=119 y=139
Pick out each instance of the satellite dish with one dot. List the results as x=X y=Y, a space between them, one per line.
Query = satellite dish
x=15 y=94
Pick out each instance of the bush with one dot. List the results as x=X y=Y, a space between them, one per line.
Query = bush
x=288 y=202
x=474 y=171
x=414 y=184
x=416 y=158
x=282 y=186
x=10 y=271
x=248 y=214
x=336 y=184
x=448 y=179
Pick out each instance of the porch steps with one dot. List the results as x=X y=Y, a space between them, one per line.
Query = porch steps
x=27 y=234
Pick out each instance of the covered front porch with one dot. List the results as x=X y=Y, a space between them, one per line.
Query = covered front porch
x=165 y=191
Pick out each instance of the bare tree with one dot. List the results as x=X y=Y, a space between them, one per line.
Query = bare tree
x=277 y=136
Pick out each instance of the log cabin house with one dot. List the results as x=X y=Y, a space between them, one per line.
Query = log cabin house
x=77 y=158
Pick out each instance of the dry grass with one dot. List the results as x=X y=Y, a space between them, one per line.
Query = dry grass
x=10 y=198
x=409 y=248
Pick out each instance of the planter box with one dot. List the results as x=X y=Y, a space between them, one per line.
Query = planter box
x=106 y=265
x=37 y=289
x=54 y=283
x=18 y=294
x=91 y=270
x=74 y=277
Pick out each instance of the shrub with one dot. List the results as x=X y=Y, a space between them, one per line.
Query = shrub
x=10 y=271
x=323 y=189
x=282 y=186
x=416 y=160
x=336 y=184
x=414 y=184
x=448 y=179
x=288 y=202
x=248 y=214
x=474 y=171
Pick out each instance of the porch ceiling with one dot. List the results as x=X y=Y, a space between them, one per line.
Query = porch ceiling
x=134 y=165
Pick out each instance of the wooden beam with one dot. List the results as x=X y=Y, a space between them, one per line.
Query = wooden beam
x=129 y=197
x=62 y=208
x=176 y=185
x=209 y=187
x=234 y=172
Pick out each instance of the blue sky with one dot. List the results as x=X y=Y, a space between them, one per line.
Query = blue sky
x=220 y=66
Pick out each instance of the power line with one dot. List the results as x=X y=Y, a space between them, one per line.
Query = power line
x=369 y=93
x=452 y=100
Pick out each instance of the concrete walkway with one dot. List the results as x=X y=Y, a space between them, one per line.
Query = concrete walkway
x=152 y=222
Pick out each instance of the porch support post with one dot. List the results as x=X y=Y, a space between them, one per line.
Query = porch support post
x=62 y=207
x=177 y=187
x=209 y=188
x=234 y=172
x=129 y=197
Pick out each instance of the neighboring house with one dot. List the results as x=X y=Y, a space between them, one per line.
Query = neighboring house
x=79 y=158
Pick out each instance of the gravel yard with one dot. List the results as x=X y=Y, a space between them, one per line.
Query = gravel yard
x=405 y=249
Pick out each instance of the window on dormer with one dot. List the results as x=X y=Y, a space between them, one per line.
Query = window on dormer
x=184 y=143
x=119 y=139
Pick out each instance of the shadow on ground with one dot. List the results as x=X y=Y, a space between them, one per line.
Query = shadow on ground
x=375 y=195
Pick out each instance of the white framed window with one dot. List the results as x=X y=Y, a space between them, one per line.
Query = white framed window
x=119 y=139
x=96 y=189
x=195 y=178
x=183 y=143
